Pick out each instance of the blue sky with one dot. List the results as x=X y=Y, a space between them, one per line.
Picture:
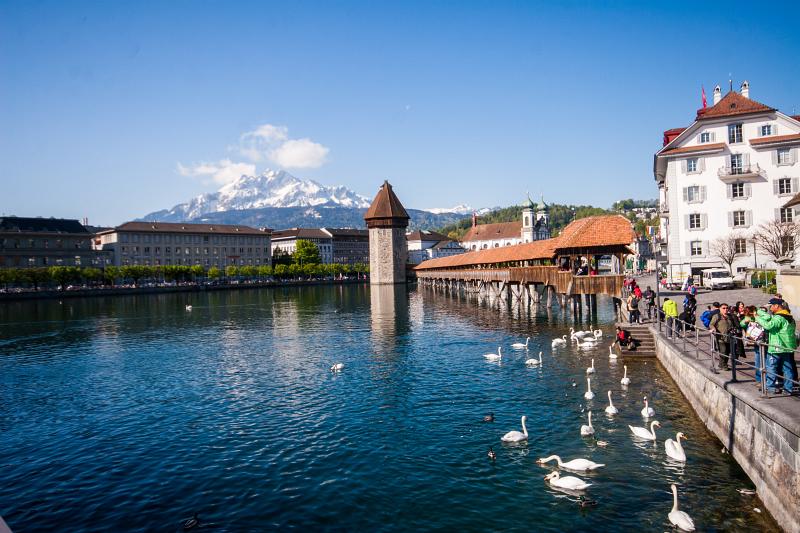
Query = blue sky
x=111 y=110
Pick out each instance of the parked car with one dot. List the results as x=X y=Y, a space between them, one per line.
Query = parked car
x=717 y=278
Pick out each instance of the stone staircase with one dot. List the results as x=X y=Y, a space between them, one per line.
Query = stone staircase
x=647 y=344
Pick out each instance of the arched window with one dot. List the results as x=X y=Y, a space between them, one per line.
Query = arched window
x=527 y=221
x=496 y=245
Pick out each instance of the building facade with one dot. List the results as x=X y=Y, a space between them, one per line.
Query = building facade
x=285 y=242
x=166 y=243
x=424 y=245
x=534 y=225
x=42 y=242
x=349 y=246
x=732 y=170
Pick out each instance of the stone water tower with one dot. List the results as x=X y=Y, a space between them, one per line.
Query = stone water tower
x=387 y=221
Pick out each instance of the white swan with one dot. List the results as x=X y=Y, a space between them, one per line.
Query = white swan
x=611 y=354
x=625 y=379
x=647 y=411
x=588 y=394
x=642 y=433
x=567 y=482
x=494 y=356
x=590 y=370
x=534 y=362
x=578 y=465
x=559 y=342
x=579 y=334
x=516 y=436
x=598 y=333
x=521 y=346
x=674 y=448
x=188 y=307
x=337 y=367
x=611 y=410
x=679 y=518
x=587 y=430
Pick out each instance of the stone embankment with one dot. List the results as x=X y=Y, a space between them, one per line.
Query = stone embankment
x=762 y=435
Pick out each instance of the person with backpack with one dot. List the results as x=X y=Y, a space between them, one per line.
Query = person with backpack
x=781 y=327
x=708 y=314
x=633 y=308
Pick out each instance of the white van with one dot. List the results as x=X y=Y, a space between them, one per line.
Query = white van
x=717 y=278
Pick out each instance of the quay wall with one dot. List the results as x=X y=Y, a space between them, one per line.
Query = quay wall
x=130 y=291
x=762 y=435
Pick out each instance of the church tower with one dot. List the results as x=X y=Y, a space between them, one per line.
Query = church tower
x=528 y=221
x=387 y=221
x=543 y=221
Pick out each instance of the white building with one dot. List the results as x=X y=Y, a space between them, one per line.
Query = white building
x=424 y=245
x=534 y=225
x=731 y=170
x=285 y=242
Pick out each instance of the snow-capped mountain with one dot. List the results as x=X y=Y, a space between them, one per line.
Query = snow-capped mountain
x=461 y=209
x=273 y=188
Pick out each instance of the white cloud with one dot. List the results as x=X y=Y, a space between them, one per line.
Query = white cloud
x=299 y=153
x=269 y=133
x=224 y=171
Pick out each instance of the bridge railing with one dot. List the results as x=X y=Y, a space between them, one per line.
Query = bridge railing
x=475 y=274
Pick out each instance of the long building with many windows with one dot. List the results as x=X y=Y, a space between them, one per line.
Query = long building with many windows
x=732 y=170
x=169 y=243
x=27 y=242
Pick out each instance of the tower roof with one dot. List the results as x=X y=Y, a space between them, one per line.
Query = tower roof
x=386 y=209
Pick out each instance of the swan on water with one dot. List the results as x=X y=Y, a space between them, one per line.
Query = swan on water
x=534 y=362
x=590 y=370
x=588 y=394
x=674 y=448
x=625 y=379
x=642 y=433
x=559 y=342
x=188 y=307
x=337 y=367
x=494 y=356
x=576 y=335
x=611 y=354
x=521 y=346
x=578 y=465
x=611 y=410
x=567 y=482
x=516 y=436
x=587 y=430
x=679 y=518
x=647 y=411
x=598 y=333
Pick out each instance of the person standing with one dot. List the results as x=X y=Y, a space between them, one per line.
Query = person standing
x=633 y=308
x=781 y=327
x=650 y=299
x=755 y=333
x=670 y=308
x=721 y=325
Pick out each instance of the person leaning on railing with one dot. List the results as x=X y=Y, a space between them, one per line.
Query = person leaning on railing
x=780 y=325
x=670 y=308
x=722 y=325
x=754 y=332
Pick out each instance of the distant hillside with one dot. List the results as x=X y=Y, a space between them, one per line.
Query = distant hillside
x=560 y=216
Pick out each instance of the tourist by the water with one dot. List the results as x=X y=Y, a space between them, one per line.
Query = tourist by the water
x=633 y=308
x=780 y=361
x=756 y=335
x=722 y=326
x=649 y=296
x=670 y=309
x=738 y=312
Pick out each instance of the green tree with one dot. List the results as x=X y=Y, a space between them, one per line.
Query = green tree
x=91 y=275
x=265 y=271
x=231 y=271
x=281 y=271
x=306 y=253
x=111 y=274
x=197 y=271
x=214 y=272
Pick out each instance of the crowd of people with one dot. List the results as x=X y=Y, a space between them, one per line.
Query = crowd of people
x=770 y=331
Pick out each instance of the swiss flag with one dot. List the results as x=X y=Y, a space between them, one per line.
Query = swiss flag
x=703 y=89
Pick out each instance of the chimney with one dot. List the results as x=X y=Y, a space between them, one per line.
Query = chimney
x=746 y=89
x=717 y=94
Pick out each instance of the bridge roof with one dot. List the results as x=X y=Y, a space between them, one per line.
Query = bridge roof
x=609 y=233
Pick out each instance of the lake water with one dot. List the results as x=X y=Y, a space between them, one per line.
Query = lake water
x=131 y=413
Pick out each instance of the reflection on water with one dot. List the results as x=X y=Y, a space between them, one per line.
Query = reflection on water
x=132 y=413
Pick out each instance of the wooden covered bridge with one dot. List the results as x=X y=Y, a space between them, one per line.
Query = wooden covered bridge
x=563 y=268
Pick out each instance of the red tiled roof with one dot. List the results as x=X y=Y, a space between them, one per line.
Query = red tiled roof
x=776 y=139
x=732 y=104
x=597 y=231
x=796 y=117
x=590 y=232
x=499 y=230
x=185 y=227
x=386 y=205
x=694 y=148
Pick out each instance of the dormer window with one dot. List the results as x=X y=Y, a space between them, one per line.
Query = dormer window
x=705 y=137
x=766 y=130
x=734 y=133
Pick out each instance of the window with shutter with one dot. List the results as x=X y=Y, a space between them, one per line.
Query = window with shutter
x=703 y=221
x=784 y=156
x=686 y=194
x=748 y=190
x=748 y=218
x=702 y=193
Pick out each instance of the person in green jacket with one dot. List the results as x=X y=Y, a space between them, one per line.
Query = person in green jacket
x=670 y=308
x=780 y=326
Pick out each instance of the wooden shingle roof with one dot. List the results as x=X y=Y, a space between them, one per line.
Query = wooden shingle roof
x=386 y=206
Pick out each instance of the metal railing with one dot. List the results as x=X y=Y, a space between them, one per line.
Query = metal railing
x=739 y=170
x=705 y=343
